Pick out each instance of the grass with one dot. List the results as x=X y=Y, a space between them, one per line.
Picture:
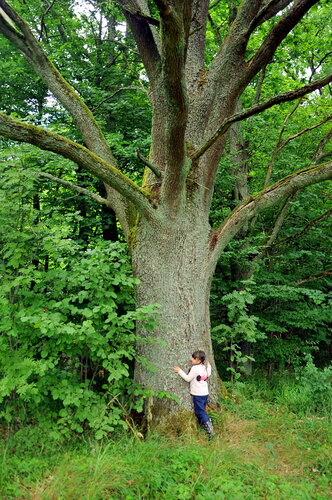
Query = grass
x=261 y=451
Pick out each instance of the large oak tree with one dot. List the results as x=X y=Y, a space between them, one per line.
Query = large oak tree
x=194 y=103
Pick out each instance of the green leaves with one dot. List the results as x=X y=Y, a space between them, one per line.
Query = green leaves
x=67 y=317
x=243 y=325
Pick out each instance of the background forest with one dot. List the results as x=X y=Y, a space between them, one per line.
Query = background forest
x=67 y=295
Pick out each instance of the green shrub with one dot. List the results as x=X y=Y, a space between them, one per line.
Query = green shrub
x=313 y=392
x=68 y=342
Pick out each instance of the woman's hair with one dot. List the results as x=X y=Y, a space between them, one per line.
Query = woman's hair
x=199 y=355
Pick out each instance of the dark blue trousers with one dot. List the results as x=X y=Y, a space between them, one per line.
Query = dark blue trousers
x=200 y=408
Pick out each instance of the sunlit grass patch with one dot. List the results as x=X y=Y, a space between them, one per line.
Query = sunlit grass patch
x=247 y=461
x=261 y=451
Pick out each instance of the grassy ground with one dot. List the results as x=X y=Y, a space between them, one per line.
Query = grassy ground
x=261 y=451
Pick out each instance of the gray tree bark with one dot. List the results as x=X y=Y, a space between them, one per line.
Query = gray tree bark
x=175 y=270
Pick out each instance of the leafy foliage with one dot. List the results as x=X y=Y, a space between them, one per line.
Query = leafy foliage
x=67 y=319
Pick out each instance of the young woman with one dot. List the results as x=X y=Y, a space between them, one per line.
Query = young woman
x=197 y=377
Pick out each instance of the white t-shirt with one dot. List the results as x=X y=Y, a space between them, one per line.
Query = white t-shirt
x=197 y=388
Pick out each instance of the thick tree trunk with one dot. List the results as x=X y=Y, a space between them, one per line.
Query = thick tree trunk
x=175 y=271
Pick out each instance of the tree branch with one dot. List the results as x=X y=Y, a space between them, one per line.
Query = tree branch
x=277 y=34
x=28 y=45
x=137 y=14
x=232 y=52
x=195 y=55
x=44 y=14
x=319 y=151
x=78 y=189
x=290 y=138
x=280 y=145
x=216 y=30
x=22 y=132
x=306 y=229
x=271 y=196
x=269 y=10
x=174 y=32
x=323 y=156
x=318 y=276
x=259 y=86
x=22 y=38
x=273 y=233
x=122 y=89
x=146 y=162
x=315 y=68
x=164 y=7
x=254 y=110
x=275 y=151
x=278 y=223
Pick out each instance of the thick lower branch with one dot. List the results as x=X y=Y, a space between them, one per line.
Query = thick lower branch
x=271 y=196
x=22 y=132
x=254 y=110
x=60 y=88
